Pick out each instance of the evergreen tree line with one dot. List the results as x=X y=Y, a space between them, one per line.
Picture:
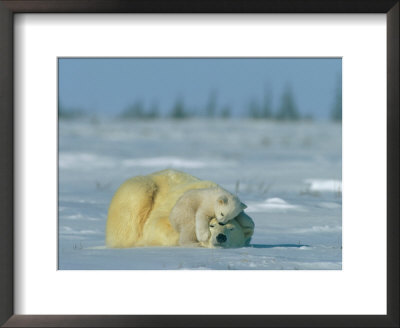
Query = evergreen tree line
x=287 y=110
x=179 y=110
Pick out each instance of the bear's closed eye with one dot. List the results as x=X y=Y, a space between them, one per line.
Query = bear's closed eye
x=220 y=223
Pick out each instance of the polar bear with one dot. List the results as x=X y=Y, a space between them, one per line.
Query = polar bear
x=139 y=211
x=231 y=234
x=194 y=209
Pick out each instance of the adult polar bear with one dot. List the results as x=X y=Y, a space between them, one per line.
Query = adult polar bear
x=139 y=211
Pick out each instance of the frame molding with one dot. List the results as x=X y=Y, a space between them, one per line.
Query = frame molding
x=10 y=7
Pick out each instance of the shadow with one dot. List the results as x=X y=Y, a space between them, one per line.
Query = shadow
x=277 y=245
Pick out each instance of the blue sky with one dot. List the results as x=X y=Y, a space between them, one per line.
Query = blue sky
x=110 y=85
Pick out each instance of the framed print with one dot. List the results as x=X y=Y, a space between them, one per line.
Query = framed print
x=290 y=107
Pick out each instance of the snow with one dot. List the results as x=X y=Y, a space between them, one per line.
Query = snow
x=271 y=205
x=288 y=174
x=324 y=185
x=76 y=160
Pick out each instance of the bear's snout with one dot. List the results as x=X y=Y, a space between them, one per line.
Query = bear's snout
x=221 y=238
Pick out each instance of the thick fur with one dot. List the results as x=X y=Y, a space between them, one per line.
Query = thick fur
x=192 y=212
x=139 y=210
x=231 y=234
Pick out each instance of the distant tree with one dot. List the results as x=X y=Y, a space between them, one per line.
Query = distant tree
x=69 y=113
x=288 y=110
x=178 y=110
x=154 y=112
x=254 y=110
x=138 y=111
x=263 y=110
x=226 y=112
x=336 y=112
x=211 y=106
x=134 y=111
x=60 y=105
x=266 y=110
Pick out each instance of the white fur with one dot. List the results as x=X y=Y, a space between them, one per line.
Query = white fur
x=233 y=234
x=139 y=211
x=195 y=208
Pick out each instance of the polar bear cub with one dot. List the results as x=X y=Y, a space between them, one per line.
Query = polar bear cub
x=195 y=208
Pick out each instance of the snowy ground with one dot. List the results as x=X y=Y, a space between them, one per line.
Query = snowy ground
x=289 y=175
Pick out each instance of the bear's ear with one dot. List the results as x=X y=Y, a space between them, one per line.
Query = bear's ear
x=222 y=200
x=243 y=206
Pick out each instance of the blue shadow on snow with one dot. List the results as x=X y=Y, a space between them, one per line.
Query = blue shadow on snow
x=276 y=245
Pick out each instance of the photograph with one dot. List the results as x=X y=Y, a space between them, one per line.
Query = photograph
x=199 y=163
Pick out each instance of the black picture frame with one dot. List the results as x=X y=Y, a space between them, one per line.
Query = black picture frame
x=10 y=7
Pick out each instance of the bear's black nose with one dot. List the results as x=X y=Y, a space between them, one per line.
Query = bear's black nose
x=221 y=238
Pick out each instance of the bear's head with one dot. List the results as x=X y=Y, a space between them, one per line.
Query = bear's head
x=227 y=207
x=229 y=235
